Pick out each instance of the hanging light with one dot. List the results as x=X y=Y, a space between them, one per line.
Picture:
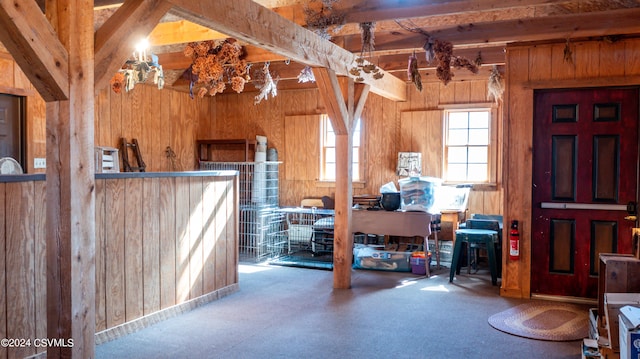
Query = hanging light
x=138 y=69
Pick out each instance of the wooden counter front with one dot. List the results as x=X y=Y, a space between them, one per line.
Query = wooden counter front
x=161 y=240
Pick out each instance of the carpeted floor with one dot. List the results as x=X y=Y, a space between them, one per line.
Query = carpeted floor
x=286 y=312
x=544 y=320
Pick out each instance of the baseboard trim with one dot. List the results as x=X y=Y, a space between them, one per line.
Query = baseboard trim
x=161 y=315
x=565 y=299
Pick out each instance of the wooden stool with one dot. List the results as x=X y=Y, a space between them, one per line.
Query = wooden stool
x=480 y=236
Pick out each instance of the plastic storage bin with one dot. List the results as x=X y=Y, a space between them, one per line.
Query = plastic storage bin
x=419 y=193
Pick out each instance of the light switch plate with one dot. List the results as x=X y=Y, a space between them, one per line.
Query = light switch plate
x=39 y=163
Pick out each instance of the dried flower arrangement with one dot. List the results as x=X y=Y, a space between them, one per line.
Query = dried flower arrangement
x=495 y=88
x=568 y=54
x=412 y=71
x=306 y=75
x=321 y=17
x=214 y=64
x=266 y=82
x=442 y=53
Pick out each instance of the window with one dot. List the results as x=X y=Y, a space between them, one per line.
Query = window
x=469 y=153
x=328 y=151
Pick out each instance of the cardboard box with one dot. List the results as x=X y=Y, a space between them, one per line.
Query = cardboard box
x=612 y=303
x=590 y=349
x=629 y=329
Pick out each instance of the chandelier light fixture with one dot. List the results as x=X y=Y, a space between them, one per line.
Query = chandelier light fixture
x=140 y=68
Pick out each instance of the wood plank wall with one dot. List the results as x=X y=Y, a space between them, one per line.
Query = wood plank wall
x=13 y=81
x=162 y=119
x=291 y=123
x=539 y=66
x=160 y=241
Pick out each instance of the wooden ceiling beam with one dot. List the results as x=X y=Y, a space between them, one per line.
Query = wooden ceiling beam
x=35 y=47
x=605 y=23
x=254 y=24
x=116 y=38
x=378 y=10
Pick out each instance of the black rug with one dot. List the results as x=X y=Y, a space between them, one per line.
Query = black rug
x=305 y=259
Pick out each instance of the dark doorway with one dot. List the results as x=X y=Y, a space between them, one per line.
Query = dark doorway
x=12 y=128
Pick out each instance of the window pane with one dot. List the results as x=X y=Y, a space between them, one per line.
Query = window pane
x=477 y=172
x=458 y=120
x=356 y=172
x=479 y=137
x=329 y=138
x=457 y=155
x=479 y=119
x=330 y=155
x=330 y=171
x=457 y=137
x=457 y=172
x=478 y=155
x=355 y=155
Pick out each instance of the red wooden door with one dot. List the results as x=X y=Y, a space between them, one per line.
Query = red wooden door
x=584 y=175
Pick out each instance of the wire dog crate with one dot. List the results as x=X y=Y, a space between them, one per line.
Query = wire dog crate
x=303 y=228
x=262 y=233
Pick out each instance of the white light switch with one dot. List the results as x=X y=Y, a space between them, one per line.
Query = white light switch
x=39 y=163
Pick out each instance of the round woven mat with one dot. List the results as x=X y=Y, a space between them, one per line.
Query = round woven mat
x=551 y=321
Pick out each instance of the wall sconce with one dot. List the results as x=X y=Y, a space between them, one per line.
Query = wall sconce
x=409 y=164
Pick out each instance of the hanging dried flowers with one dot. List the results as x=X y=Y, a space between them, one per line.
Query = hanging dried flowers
x=367 y=36
x=429 y=52
x=265 y=82
x=321 y=17
x=214 y=64
x=568 y=54
x=117 y=82
x=306 y=75
x=443 y=51
x=495 y=88
x=412 y=71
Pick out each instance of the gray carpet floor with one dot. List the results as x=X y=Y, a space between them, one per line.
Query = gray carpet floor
x=288 y=312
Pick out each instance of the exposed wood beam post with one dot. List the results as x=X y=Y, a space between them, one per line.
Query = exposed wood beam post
x=252 y=23
x=343 y=112
x=70 y=222
x=33 y=44
x=116 y=38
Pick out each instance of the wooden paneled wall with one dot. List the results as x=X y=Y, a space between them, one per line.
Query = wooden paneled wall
x=14 y=82
x=530 y=67
x=160 y=241
x=23 y=307
x=291 y=123
x=159 y=120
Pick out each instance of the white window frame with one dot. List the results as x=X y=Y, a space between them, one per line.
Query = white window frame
x=326 y=145
x=492 y=143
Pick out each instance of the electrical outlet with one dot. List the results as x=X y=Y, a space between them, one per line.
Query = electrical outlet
x=39 y=163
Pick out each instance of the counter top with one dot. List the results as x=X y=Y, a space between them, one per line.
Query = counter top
x=117 y=175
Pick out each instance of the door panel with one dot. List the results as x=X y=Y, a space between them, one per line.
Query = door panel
x=584 y=174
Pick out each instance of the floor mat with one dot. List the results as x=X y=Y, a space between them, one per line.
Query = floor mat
x=305 y=260
x=543 y=320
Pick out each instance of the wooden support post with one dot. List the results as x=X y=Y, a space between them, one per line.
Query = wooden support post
x=344 y=106
x=70 y=216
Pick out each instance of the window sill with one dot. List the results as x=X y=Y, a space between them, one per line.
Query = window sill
x=332 y=184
